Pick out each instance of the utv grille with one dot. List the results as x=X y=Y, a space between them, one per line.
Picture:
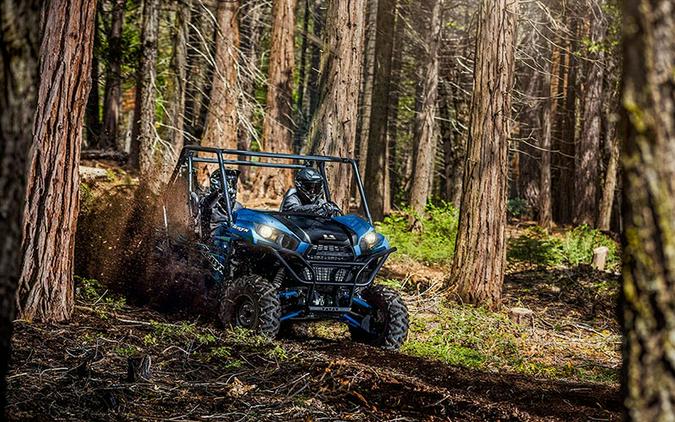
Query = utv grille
x=327 y=274
x=339 y=253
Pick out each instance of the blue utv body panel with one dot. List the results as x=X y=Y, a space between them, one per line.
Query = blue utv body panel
x=361 y=227
x=246 y=220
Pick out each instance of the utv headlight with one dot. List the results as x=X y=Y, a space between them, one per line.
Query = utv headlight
x=273 y=235
x=369 y=240
x=266 y=232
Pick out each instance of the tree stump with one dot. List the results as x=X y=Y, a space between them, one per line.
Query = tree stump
x=522 y=316
x=600 y=258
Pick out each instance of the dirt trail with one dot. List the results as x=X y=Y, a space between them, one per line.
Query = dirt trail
x=466 y=394
x=79 y=371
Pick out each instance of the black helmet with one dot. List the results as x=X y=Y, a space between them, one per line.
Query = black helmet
x=309 y=183
x=232 y=177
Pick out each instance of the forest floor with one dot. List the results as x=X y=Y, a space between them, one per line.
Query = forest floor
x=195 y=371
x=85 y=369
x=459 y=363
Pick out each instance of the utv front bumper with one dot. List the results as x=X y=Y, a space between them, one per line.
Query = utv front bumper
x=359 y=272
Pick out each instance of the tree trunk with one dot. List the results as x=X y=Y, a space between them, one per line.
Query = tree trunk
x=302 y=67
x=253 y=24
x=425 y=121
x=50 y=219
x=564 y=201
x=477 y=271
x=174 y=119
x=143 y=137
x=278 y=124
x=648 y=169
x=610 y=182
x=112 y=97
x=93 y=112
x=528 y=168
x=222 y=122
x=453 y=147
x=607 y=201
x=314 y=73
x=394 y=97
x=200 y=70
x=19 y=37
x=333 y=129
x=545 y=218
x=376 y=160
x=587 y=155
x=366 y=91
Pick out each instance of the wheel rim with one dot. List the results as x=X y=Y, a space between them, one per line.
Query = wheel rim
x=246 y=313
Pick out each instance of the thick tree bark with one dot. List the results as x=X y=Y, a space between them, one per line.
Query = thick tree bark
x=112 y=97
x=222 y=122
x=333 y=129
x=222 y=126
x=174 y=119
x=425 y=121
x=19 y=21
x=278 y=124
x=648 y=169
x=376 y=161
x=143 y=137
x=587 y=154
x=477 y=272
x=50 y=220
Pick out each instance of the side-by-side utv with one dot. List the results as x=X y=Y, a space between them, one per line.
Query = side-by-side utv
x=271 y=267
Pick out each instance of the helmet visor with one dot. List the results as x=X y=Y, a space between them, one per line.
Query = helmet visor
x=310 y=189
x=313 y=188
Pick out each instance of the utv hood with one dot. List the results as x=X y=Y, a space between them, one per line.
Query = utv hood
x=315 y=229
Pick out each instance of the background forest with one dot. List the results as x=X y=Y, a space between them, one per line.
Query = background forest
x=518 y=154
x=250 y=75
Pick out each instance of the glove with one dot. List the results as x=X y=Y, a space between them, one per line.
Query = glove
x=332 y=210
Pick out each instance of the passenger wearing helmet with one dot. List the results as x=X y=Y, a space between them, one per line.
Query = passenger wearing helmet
x=307 y=197
x=214 y=208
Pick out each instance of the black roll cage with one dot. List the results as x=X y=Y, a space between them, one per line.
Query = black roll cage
x=190 y=153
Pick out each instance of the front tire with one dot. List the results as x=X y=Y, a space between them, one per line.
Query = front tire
x=388 y=319
x=251 y=302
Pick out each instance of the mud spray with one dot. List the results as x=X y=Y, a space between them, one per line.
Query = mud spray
x=122 y=241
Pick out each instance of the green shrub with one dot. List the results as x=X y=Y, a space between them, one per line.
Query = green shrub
x=433 y=244
x=570 y=248
x=578 y=245
x=517 y=207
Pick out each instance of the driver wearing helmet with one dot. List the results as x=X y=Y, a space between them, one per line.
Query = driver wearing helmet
x=307 y=197
x=214 y=208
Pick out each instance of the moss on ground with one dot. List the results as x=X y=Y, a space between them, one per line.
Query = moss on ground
x=477 y=338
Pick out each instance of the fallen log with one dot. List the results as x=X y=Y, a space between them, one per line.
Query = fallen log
x=94 y=154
